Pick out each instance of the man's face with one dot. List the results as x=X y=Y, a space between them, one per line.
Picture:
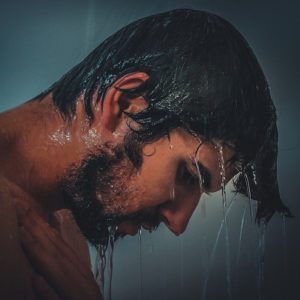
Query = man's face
x=108 y=189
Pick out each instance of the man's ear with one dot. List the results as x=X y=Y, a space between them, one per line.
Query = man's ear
x=115 y=101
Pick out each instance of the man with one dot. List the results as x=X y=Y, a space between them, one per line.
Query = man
x=169 y=107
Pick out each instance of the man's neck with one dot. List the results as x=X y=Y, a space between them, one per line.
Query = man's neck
x=33 y=138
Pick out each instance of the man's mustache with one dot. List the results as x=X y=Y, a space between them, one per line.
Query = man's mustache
x=150 y=218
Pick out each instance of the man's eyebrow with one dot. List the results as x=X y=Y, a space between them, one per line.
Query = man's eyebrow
x=204 y=172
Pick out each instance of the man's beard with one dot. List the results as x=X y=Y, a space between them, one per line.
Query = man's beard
x=98 y=190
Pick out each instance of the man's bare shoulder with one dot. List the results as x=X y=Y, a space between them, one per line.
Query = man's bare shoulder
x=8 y=191
x=13 y=272
x=7 y=210
x=4 y=186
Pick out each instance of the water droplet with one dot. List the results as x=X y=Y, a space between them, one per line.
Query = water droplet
x=219 y=147
x=248 y=193
x=116 y=134
x=141 y=263
x=172 y=194
x=199 y=176
x=110 y=260
x=285 y=264
x=261 y=261
x=254 y=174
x=222 y=173
x=101 y=265
x=212 y=258
x=239 y=249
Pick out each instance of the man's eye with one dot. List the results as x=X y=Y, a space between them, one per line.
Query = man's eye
x=189 y=177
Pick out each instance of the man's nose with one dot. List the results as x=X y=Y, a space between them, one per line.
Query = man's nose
x=177 y=213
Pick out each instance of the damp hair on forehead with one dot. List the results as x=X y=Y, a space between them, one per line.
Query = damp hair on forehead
x=203 y=77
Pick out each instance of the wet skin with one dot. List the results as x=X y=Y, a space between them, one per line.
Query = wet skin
x=168 y=183
x=39 y=139
x=38 y=147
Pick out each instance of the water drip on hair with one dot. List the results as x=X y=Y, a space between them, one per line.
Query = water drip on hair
x=222 y=174
x=254 y=174
x=212 y=258
x=219 y=147
x=101 y=265
x=199 y=176
x=181 y=266
x=285 y=264
x=239 y=248
x=105 y=259
x=141 y=263
x=203 y=204
x=261 y=260
x=248 y=193
x=112 y=232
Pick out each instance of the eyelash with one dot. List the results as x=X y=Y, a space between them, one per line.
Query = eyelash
x=189 y=178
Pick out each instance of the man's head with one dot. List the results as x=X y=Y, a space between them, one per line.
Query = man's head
x=181 y=73
x=107 y=188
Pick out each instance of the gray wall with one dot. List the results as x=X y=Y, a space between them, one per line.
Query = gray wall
x=41 y=40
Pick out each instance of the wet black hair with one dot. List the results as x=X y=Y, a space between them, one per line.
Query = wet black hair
x=203 y=77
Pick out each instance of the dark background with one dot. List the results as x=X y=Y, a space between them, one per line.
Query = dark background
x=41 y=40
